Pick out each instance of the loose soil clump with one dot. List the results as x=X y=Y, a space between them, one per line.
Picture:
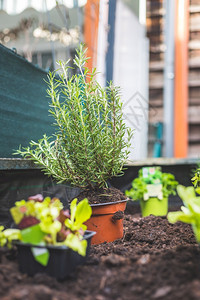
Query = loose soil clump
x=154 y=260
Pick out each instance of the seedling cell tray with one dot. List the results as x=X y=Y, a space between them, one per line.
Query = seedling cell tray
x=62 y=260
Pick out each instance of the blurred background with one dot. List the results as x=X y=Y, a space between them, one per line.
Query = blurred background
x=150 y=48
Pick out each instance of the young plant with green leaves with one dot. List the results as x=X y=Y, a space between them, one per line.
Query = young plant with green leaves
x=91 y=141
x=139 y=185
x=190 y=212
x=196 y=180
x=45 y=222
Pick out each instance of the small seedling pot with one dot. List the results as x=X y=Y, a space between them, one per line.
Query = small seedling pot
x=62 y=260
x=154 y=206
x=107 y=221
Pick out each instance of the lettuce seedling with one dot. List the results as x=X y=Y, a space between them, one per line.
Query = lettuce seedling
x=9 y=235
x=46 y=222
x=80 y=213
x=190 y=212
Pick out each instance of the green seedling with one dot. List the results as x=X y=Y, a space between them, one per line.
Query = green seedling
x=139 y=185
x=46 y=223
x=190 y=212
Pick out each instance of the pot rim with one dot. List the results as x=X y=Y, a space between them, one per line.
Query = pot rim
x=108 y=203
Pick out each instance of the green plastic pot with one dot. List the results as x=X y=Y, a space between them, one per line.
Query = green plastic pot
x=154 y=206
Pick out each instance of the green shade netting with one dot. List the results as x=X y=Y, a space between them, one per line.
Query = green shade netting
x=23 y=103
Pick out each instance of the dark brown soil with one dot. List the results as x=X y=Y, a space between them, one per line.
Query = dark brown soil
x=154 y=260
x=102 y=195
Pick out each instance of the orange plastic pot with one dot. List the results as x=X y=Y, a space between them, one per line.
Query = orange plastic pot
x=107 y=221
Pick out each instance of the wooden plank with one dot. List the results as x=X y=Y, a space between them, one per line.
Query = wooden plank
x=156 y=99
x=157 y=48
x=155 y=94
x=194 y=151
x=153 y=6
x=194 y=24
x=194 y=62
x=194 y=78
x=157 y=103
x=194 y=35
x=194 y=92
x=194 y=27
x=194 y=44
x=194 y=15
x=194 y=2
x=156 y=80
x=194 y=53
x=194 y=8
x=156 y=38
x=159 y=12
x=153 y=23
x=156 y=30
x=194 y=74
x=194 y=83
x=194 y=114
x=158 y=65
x=156 y=56
x=194 y=101
x=194 y=96
x=155 y=33
x=194 y=133
x=156 y=115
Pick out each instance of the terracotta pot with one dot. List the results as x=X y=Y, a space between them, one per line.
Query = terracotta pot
x=154 y=206
x=107 y=221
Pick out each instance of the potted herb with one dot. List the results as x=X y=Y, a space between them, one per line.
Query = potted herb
x=49 y=239
x=190 y=212
x=89 y=144
x=152 y=188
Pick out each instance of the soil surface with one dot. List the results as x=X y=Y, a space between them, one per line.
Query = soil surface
x=154 y=260
x=102 y=195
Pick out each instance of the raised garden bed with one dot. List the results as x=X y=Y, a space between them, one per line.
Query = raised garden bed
x=154 y=260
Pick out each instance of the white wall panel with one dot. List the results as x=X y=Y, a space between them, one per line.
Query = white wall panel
x=131 y=64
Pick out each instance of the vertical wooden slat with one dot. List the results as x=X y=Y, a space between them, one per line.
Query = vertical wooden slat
x=181 y=79
x=91 y=21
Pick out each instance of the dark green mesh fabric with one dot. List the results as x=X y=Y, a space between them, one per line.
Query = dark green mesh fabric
x=23 y=103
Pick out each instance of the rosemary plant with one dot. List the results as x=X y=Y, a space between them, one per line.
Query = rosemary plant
x=91 y=140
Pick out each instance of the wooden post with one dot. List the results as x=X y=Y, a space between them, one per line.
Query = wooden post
x=181 y=79
x=91 y=21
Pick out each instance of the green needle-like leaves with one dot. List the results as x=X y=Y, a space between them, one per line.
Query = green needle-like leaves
x=89 y=144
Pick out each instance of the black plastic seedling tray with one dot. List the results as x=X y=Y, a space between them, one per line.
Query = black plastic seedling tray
x=62 y=260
